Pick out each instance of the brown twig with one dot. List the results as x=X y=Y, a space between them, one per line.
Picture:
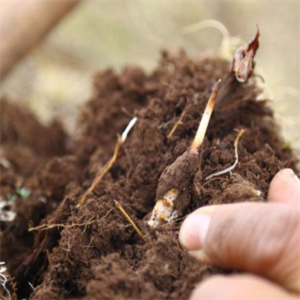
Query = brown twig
x=118 y=205
x=176 y=125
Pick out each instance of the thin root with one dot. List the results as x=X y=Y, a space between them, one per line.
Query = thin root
x=228 y=42
x=50 y=226
x=229 y=169
x=179 y=122
x=109 y=165
x=209 y=181
x=121 y=209
x=85 y=224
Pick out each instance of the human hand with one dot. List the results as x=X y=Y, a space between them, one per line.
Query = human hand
x=260 y=239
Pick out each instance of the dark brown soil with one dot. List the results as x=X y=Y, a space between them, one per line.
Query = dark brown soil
x=94 y=253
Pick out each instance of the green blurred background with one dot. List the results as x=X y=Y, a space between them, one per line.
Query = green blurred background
x=54 y=80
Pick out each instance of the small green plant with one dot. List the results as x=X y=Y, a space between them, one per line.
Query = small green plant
x=23 y=192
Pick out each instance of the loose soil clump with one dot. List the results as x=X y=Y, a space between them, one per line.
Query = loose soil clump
x=91 y=251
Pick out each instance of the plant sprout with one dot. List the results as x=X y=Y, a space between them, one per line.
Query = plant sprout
x=23 y=192
x=174 y=181
x=108 y=166
x=205 y=119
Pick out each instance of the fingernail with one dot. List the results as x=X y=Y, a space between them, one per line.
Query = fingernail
x=193 y=231
x=284 y=188
x=290 y=176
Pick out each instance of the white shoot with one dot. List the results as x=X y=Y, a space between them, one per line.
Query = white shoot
x=127 y=129
x=109 y=165
x=229 y=169
x=205 y=118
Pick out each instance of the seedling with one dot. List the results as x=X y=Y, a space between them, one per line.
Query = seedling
x=172 y=191
x=23 y=192
x=122 y=210
x=108 y=166
x=231 y=168
x=242 y=62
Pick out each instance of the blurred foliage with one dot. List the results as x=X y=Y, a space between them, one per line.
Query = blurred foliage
x=55 y=78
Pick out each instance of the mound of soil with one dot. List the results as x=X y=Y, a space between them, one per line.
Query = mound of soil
x=92 y=252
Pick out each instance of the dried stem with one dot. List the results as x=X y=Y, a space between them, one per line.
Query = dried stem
x=109 y=165
x=118 y=205
x=205 y=118
x=176 y=125
x=229 y=169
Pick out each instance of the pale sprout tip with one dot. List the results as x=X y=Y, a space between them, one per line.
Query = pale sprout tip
x=127 y=129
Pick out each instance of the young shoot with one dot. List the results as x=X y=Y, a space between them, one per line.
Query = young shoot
x=108 y=166
x=23 y=192
x=231 y=168
x=198 y=140
x=172 y=193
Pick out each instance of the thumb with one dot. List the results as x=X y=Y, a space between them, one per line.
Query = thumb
x=260 y=238
x=236 y=287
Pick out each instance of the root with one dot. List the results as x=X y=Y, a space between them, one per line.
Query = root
x=229 y=169
x=109 y=165
x=85 y=224
x=50 y=226
x=179 y=122
x=210 y=180
x=228 y=42
x=121 y=209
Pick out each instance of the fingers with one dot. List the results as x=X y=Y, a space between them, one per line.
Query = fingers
x=285 y=188
x=236 y=287
x=260 y=238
